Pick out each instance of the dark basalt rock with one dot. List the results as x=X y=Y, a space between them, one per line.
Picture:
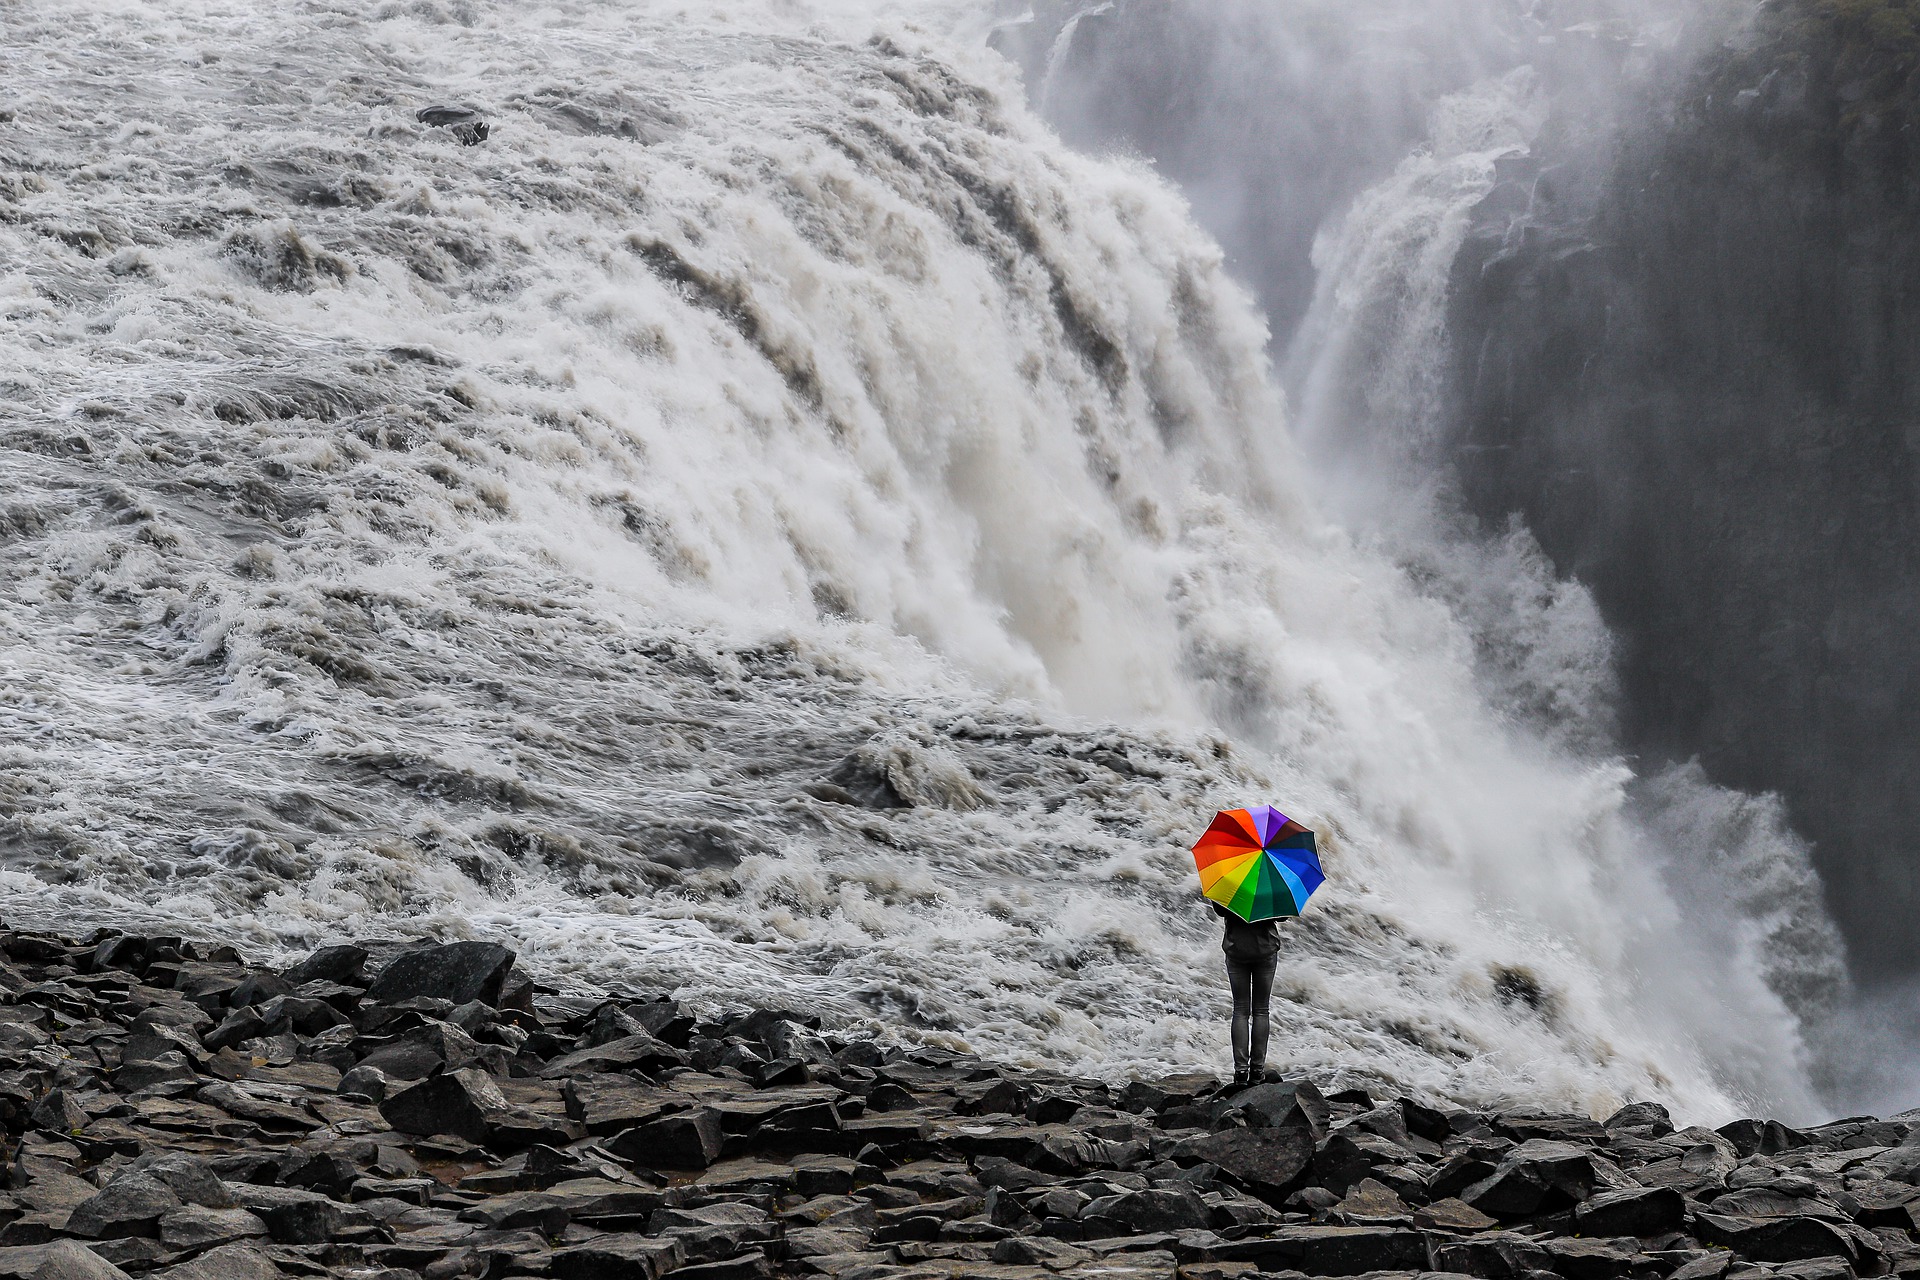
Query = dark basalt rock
x=1273 y=1106
x=130 y=1205
x=456 y=972
x=462 y=1103
x=464 y=123
x=618 y=1258
x=592 y=1137
x=1267 y=1162
x=344 y=964
x=1634 y=1211
x=1540 y=1174
x=1777 y=1239
x=689 y=1141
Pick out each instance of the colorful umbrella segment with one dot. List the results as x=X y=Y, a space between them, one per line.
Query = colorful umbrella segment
x=1258 y=863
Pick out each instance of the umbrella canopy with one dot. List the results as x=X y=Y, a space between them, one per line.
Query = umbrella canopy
x=1258 y=863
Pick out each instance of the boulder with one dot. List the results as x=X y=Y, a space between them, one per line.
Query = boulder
x=1493 y=1255
x=196 y=1227
x=1642 y=1119
x=241 y=1025
x=1352 y=1251
x=65 y=1260
x=131 y=1205
x=364 y=1082
x=521 y=1211
x=228 y=1262
x=58 y=1113
x=1371 y=1203
x=1633 y=1211
x=1707 y=1266
x=635 y=1052
x=1272 y=1106
x=617 y=1257
x=461 y=1103
x=155 y=1071
x=750 y=1265
x=1761 y=1137
x=1267 y=1162
x=1350 y=1156
x=456 y=972
x=1153 y=1210
x=690 y=1140
x=1775 y=1239
x=1314 y=1250
x=259 y=987
x=188 y=1176
x=1453 y=1215
x=1541 y=1175
x=294 y=1216
x=344 y=964
x=1583 y=1259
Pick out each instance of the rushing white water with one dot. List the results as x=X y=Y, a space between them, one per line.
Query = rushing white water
x=558 y=539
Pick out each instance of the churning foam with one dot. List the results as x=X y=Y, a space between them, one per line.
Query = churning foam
x=549 y=539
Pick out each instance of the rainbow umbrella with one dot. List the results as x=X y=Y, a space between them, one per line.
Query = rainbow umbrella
x=1258 y=863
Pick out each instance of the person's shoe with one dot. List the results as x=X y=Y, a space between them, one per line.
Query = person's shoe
x=1260 y=1073
x=1240 y=1078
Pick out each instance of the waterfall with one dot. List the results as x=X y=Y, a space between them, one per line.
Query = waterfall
x=772 y=521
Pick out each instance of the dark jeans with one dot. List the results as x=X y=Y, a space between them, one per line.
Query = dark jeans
x=1252 y=982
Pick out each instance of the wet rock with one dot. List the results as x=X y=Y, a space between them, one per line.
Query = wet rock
x=617 y=1257
x=1775 y=1239
x=294 y=1216
x=1453 y=1215
x=1495 y=1255
x=639 y=1052
x=456 y=972
x=1633 y=1211
x=364 y=1082
x=1152 y=1210
x=130 y=1205
x=58 y=1112
x=607 y=1104
x=1541 y=1174
x=1272 y=1106
x=688 y=1141
x=463 y=1103
x=1267 y=1162
x=343 y=963
x=228 y=1262
x=194 y=1227
x=464 y=123
x=61 y=1260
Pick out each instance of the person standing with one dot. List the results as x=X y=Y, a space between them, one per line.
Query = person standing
x=1253 y=952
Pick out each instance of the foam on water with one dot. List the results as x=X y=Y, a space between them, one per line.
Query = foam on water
x=771 y=523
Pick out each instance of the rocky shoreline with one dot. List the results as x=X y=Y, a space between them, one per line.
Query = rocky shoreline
x=423 y=1112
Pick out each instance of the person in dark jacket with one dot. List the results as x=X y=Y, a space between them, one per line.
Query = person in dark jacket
x=1252 y=952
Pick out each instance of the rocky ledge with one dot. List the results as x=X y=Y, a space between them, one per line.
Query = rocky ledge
x=393 y=1112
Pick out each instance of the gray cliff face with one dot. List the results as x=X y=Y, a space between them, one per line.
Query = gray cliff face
x=1700 y=385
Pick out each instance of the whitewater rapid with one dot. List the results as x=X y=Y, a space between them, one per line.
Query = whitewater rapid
x=770 y=523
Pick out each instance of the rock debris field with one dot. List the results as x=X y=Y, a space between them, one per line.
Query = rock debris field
x=396 y=1111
